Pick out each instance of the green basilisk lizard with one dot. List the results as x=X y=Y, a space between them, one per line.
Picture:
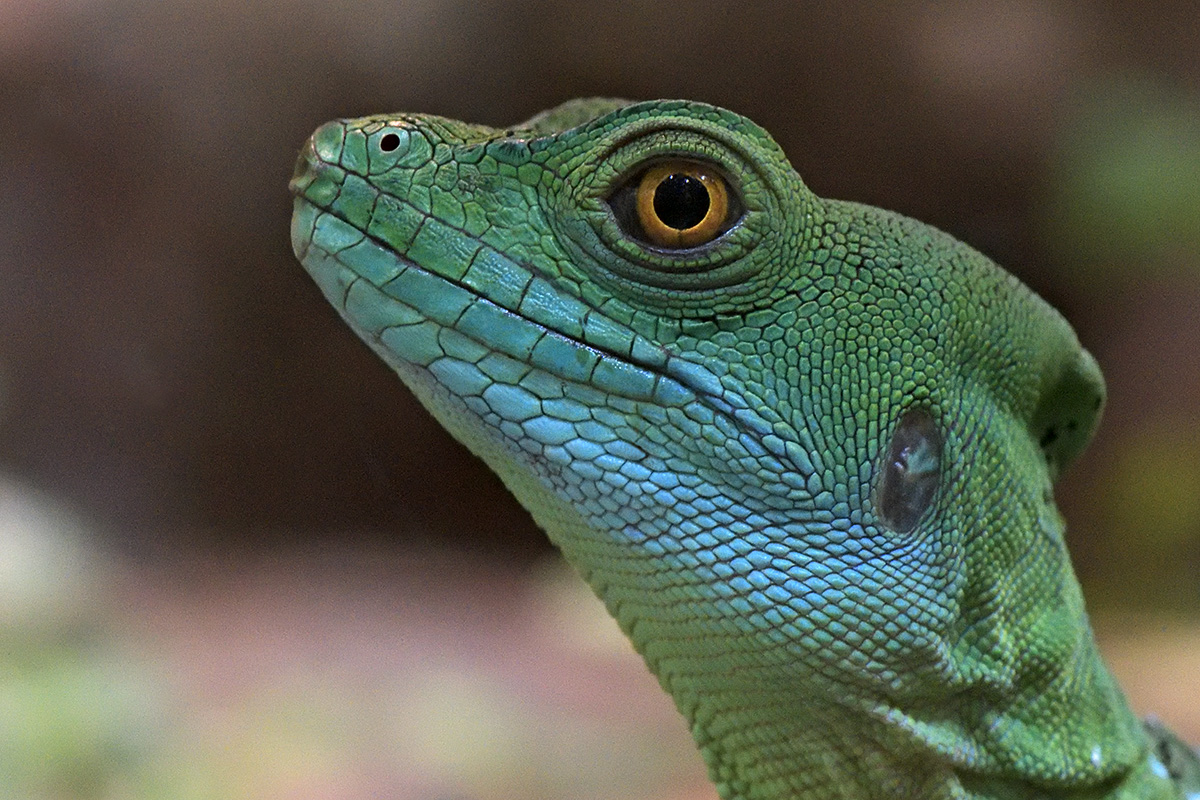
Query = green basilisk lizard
x=801 y=448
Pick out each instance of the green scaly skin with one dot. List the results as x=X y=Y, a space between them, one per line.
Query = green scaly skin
x=703 y=432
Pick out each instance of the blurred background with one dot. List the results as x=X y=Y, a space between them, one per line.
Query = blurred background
x=237 y=560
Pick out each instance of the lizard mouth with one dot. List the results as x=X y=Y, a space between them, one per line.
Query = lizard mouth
x=424 y=293
x=387 y=298
x=440 y=274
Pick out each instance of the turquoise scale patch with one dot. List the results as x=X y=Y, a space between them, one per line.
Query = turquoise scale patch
x=546 y=305
x=497 y=278
x=440 y=301
x=465 y=380
x=548 y=430
x=374 y=263
x=442 y=250
x=563 y=357
x=304 y=220
x=595 y=432
x=543 y=384
x=623 y=378
x=461 y=347
x=371 y=311
x=695 y=376
x=584 y=449
x=512 y=402
x=395 y=222
x=505 y=331
x=416 y=344
x=355 y=201
x=333 y=235
x=354 y=152
x=567 y=409
x=600 y=331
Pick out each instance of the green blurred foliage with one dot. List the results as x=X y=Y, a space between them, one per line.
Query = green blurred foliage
x=1152 y=514
x=1124 y=196
x=1123 y=215
x=76 y=711
x=99 y=702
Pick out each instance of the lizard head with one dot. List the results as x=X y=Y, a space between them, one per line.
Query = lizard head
x=802 y=448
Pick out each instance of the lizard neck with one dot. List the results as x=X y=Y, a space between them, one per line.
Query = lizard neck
x=806 y=750
x=763 y=742
x=774 y=722
x=964 y=707
x=957 y=709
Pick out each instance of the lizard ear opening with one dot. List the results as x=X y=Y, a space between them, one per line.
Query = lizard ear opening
x=1068 y=411
x=910 y=472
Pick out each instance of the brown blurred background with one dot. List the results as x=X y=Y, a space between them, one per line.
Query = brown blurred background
x=228 y=448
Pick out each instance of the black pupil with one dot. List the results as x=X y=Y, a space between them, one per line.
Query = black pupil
x=389 y=142
x=681 y=201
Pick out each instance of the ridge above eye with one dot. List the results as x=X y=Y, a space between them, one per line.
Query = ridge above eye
x=676 y=205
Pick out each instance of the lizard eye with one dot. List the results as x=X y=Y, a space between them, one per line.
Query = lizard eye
x=676 y=205
x=911 y=471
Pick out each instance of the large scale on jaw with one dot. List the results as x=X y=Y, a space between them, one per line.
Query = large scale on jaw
x=801 y=448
